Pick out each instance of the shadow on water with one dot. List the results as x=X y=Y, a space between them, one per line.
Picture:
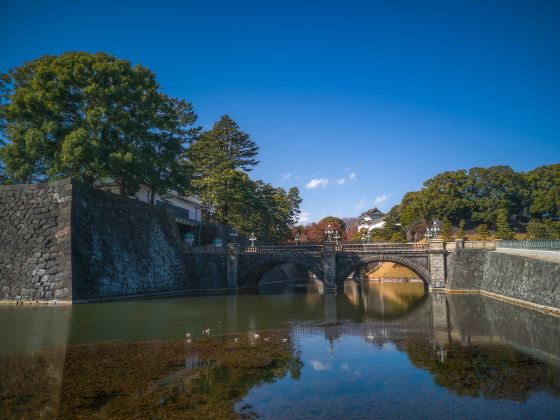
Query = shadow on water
x=375 y=349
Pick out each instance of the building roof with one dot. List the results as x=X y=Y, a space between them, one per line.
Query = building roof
x=372 y=215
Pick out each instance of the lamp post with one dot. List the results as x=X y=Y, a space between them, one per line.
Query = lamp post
x=363 y=238
x=329 y=232
x=252 y=238
x=297 y=238
x=336 y=237
x=432 y=232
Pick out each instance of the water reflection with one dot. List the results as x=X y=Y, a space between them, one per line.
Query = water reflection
x=384 y=298
x=379 y=349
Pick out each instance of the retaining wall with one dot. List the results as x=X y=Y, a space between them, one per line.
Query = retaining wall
x=515 y=277
x=66 y=240
x=35 y=241
x=122 y=246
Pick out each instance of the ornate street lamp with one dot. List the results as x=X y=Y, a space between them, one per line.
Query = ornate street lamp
x=432 y=232
x=329 y=232
x=336 y=237
x=297 y=238
x=252 y=238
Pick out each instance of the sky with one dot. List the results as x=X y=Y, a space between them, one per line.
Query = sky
x=355 y=103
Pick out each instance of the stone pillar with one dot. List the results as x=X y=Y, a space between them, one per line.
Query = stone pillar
x=459 y=243
x=329 y=266
x=232 y=257
x=437 y=263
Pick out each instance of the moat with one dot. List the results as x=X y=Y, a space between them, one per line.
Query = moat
x=381 y=350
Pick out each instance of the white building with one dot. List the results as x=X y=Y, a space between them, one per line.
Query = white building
x=187 y=210
x=372 y=219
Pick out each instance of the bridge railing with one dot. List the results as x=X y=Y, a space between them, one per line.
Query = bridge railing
x=355 y=247
x=280 y=249
x=480 y=244
x=543 y=245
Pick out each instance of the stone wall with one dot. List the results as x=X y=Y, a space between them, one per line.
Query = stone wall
x=466 y=269
x=523 y=278
x=122 y=246
x=35 y=261
x=512 y=276
x=205 y=270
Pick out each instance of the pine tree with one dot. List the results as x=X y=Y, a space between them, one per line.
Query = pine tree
x=446 y=230
x=482 y=231
x=503 y=230
x=220 y=160
x=461 y=231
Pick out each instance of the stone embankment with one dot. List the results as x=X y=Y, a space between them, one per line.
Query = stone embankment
x=68 y=241
x=513 y=277
x=35 y=242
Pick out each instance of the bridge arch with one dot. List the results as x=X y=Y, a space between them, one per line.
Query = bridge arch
x=345 y=269
x=250 y=275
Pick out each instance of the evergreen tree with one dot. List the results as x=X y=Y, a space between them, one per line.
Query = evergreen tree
x=398 y=236
x=548 y=229
x=461 y=231
x=503 y=230
x=90 y=116
x=482 y=231
x=446 y=230
x=220 y=159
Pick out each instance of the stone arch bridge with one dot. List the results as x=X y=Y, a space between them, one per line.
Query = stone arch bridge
x=332 y=263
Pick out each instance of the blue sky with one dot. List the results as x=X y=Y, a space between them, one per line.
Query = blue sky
x=355 y=103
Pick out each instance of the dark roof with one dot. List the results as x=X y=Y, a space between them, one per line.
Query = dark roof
x=373 y=214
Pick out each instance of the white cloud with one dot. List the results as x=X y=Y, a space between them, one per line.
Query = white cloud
x=317 y=365
x=286 y=177
x=303 y=217
x=317 y=182
x=345 y=180
x=381 y=199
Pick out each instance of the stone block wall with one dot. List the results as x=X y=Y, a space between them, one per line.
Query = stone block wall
x=205 y=271
x=466 y=269
x=35 y=241
x=523 y=278
x=526 y=279
x=122 y=246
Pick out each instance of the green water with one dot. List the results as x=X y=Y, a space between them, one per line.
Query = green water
x=381 y=350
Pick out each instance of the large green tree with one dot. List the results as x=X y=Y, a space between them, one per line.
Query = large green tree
x=494 y=188
x=166 y=166
x=220 y=159
x=269 y=212
x=91 y=116
x=478 y=194
x=544 y=183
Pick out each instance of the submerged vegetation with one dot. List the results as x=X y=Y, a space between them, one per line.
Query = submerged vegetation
x=198 y=379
